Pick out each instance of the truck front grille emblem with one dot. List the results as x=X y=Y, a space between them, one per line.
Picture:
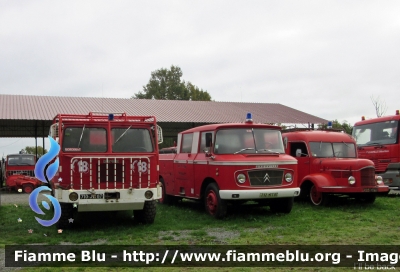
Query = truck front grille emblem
x=266 y=178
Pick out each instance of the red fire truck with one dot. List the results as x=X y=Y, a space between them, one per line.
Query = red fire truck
x=230 y=163
x=19 y=174
x=328 y=165
x=107 y=163
x=378 y=140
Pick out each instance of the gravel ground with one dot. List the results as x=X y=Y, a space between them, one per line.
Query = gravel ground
x=17 y=198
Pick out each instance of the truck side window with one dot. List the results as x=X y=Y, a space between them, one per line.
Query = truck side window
x=203 y=147
x=301 y=146
x=187 y=143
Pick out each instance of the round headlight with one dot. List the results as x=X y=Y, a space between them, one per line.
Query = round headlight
x=241 y=178
x=379 y=180
x=73 y=196
x=288 y=177
x=148 y=194
x=352 y=180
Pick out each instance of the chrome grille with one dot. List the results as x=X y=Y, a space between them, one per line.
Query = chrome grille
x=21 y=172
x=368 y=177
x=265 y=177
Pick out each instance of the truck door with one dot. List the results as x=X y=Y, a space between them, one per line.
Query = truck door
x=201 y=163
x=300 y=152
x=183 y=170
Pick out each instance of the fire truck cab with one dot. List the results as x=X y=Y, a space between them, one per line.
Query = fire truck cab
x=378 y=140
x=106 y=163
x=18 y=171
x=328 y=164
x=230 y=163
x=19 y=164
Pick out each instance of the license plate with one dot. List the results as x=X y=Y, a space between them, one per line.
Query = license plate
x=268 y=195
x=91 y=196
x=372 y=190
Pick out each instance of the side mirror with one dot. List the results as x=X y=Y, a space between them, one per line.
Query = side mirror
x=208 y=139
x=298 y=153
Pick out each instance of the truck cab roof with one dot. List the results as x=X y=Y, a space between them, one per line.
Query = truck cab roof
x=318 y=135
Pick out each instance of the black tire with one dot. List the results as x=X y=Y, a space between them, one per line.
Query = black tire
x=318 y=198
x=215 y=206
x=282 y=205
x=367 y=198
x=67 y=213
x=148 y=214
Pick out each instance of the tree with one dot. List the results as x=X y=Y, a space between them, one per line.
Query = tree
x=380 y=106
x=346 y=127
x=166 y=84
x=32 y=150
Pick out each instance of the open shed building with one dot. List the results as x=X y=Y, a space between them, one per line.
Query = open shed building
x=31 y=116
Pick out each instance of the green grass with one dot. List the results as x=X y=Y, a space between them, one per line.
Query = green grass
x=344 y=223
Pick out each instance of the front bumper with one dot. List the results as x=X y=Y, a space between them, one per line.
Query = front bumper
x=259 y=193
x=347 y=189
x=128 y=199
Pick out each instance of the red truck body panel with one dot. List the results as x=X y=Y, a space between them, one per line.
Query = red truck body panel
x=107 y=162
x=242 y=151
x=19 y=172
x=378 y=140
x=328 y=161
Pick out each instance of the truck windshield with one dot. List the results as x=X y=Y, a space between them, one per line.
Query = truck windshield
x=248 y=140
x=377 y=133
x=85 y=139
x=329 y=150
x=131 y=140
x=21 y=160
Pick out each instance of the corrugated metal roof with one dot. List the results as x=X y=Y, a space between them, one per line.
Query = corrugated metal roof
x=42 y=109
x=29 y=107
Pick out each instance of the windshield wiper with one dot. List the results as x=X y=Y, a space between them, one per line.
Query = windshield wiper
x=122 y=134
x=243 y=149
x=269 y=150
x=80 y=139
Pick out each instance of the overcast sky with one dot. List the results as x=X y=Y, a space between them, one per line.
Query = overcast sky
x=326 y=58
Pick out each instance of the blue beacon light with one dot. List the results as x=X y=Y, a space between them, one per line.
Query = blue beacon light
x=249 y=117
x=329 y=124
x=110 y=117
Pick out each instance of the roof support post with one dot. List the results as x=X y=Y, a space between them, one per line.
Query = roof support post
x=43 y=123
x=36 y=137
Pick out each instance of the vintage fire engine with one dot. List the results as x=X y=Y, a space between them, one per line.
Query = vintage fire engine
x=230 y=163
x=107 y=163
x=18 y=172
x=328 y=164
x=378 y=140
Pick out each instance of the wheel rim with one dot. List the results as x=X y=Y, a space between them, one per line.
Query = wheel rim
x=315 y=196
x=28 y=189
x=212 y=202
